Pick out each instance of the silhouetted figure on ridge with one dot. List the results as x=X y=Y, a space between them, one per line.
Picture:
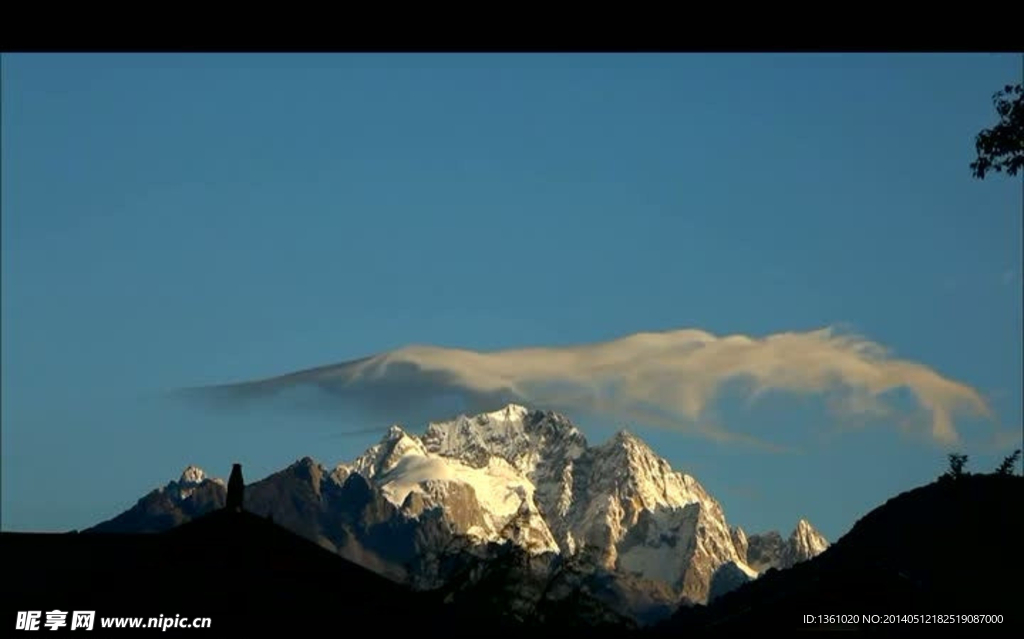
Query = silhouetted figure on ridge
x=236 y=489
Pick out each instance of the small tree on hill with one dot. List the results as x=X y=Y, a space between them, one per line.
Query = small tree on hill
x=1009 y=464
x=956 y=465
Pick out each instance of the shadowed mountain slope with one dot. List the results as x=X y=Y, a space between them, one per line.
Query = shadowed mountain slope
x=950 y=547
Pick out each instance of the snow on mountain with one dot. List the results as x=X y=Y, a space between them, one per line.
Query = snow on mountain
x=191 y=478
x=192 y=475
x=480 y=497
x=415 y=508
x=806 y=542
x=739 y=541
x=176 y=502
x=523 y=438
x=619 y=502
x=540 y=446
x=770 y=550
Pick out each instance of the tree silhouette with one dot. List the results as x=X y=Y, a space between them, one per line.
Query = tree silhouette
x=1001 y=148
x=236 y=489
x=1009 y=463
x=956 y=465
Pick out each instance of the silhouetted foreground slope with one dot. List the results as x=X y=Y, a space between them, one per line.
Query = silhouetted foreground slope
x=242 y=571
x=948 y=548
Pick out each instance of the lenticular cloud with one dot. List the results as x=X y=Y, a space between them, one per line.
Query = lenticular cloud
x=663 y=379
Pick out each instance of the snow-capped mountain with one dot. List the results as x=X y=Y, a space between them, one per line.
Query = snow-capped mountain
x=485 y=497
x=770 y=550
x=638 y=535
x=805 y=543
x=193 y=494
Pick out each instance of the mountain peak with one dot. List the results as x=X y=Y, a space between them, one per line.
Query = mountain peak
x=625 y=436
x=806 y=541
x=768 y=550
x=192 y=475
x=625 y=442
x=804 y=528
x=510 y=412
x=305 y=462
x=382 y=457
x=515 y=433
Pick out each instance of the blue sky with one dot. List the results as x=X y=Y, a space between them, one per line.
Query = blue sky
x=174 y=220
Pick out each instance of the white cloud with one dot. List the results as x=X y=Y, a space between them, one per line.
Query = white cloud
x=667 y=379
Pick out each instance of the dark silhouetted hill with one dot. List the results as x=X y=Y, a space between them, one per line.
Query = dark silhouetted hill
x=950 y=547
x=244 y=572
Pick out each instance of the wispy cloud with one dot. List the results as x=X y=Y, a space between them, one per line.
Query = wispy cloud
x=1009 y=276
x=667 y=379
